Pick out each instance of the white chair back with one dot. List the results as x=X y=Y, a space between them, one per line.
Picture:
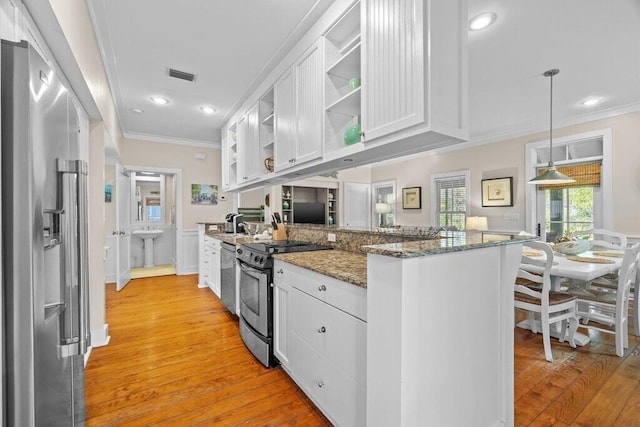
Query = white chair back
x=604 y=238
x=536 y=270
x=628 y=274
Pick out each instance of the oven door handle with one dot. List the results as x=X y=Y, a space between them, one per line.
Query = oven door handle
x=250 y=270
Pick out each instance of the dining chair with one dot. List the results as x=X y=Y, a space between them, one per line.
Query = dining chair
x=602 y=310
x=608 y=283
x=533 y=293
x=604 y=239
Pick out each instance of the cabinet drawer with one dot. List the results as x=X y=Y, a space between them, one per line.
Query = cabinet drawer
x=337 y=396
x=345 y=296
x=336 y=335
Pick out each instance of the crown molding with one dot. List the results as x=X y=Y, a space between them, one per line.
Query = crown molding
x=169 y=140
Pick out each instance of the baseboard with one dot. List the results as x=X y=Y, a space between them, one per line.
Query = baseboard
x=102 y=338
x=187 y=271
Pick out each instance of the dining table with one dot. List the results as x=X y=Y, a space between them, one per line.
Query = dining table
x=586 y=266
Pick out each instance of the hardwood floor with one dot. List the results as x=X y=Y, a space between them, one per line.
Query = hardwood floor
x=586 y=386
x=176 y=358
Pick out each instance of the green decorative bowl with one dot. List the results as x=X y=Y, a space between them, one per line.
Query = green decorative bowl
x=352 y=135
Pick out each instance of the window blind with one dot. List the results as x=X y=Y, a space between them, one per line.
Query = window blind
x=585 y=174
x=451 y=194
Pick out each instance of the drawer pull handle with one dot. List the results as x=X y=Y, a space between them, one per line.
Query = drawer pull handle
x=322 y=330
x=320 y=384
x=322 y=288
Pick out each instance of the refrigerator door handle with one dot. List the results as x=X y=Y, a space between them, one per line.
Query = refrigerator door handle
x=76 y=335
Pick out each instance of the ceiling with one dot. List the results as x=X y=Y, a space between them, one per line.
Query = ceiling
x=231 y=45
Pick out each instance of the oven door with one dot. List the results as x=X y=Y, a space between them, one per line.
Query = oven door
x=255 y=298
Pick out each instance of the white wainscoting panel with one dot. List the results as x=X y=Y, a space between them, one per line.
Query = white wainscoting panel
x=189 y=252
x=111 y=254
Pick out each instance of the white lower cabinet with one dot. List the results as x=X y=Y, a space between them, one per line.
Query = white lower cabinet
x=208 y=261
x=322 y=347
x=212 y=251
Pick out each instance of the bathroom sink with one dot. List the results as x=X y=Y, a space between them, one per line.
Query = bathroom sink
x=147 y=234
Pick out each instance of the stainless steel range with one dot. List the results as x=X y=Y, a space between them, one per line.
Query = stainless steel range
x=256 y=293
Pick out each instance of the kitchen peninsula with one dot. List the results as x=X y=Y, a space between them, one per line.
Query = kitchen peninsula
x=439 y=324
x=440 y=330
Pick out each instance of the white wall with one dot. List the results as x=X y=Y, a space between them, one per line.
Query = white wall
x=507 y=158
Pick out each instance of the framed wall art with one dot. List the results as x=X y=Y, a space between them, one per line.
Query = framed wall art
x=412 y=198
x=497 y=192
x=204 y=194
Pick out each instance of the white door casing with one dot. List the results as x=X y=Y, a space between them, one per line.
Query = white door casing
x=123 y=238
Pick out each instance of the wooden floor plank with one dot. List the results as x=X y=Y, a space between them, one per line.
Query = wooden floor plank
x=176 y=359
x=612 y=398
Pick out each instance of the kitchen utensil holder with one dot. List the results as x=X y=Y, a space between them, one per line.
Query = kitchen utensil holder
x=280 y=233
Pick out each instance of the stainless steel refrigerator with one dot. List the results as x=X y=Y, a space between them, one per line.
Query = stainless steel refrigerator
x=44 y=245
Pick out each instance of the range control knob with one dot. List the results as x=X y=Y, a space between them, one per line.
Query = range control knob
x=256 y=258
x=261 y=259
x=239 y=251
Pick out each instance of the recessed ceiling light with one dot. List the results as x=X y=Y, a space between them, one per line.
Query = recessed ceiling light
x=137 y=110
x=208 y=110
x=482 y=21
x=590 y=102
x=159 y=100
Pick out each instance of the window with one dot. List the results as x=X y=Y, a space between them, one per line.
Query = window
x=562 y=209
x=450 y=201
x=154 y=213
x=570 y=207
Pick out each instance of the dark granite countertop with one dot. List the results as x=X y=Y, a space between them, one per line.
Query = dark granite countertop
x=450 y=241
x=234 y=239
x=350 y=267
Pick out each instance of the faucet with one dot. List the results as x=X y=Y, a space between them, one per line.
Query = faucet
x=245 y=227
x=235 y=222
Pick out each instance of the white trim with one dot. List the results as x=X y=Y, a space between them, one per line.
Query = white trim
x=171 y=140
x=178 y=200
x=433 y=198
x=524 y=131
x=606 y=176
x=100 y=338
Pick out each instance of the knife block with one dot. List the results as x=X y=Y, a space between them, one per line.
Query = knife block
x=280 y=233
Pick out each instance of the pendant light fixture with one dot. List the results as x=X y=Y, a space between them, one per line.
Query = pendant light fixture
x=551 y=175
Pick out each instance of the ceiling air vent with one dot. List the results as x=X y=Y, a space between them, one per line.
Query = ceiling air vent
x=181 y=75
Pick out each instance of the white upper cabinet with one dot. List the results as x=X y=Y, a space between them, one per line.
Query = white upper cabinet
x=414 y=66
x=298 y=111
x=229 y=156
x=308 y=72
x=342 y=77
x=242 y=130
x=249 y=163
x=284 y=121
x=383 y=78
x=252 y=145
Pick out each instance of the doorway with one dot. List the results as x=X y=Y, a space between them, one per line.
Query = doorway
x=557 y=211
x=154 y=216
